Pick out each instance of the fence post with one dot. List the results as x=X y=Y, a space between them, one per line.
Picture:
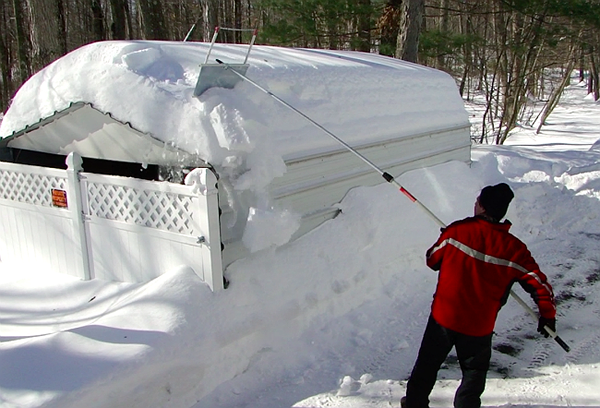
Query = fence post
x=209 y=222
x=75 y=205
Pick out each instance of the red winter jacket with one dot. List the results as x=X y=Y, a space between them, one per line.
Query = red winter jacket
x=478 y=262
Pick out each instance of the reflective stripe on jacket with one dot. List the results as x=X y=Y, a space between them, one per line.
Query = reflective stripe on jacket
x=478 y=262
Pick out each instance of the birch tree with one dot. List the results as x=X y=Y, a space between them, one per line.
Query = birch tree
x=210 y=20
x=44 y=31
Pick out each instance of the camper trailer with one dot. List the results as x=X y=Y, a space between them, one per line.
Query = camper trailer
x=124 y=159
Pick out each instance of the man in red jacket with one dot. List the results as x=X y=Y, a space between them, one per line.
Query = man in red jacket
x=478 y=261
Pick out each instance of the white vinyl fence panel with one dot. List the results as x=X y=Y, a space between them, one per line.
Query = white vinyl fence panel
x=112 y=228
x=33 y=232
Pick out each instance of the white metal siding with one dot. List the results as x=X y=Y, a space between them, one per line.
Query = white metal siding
x=312 y=186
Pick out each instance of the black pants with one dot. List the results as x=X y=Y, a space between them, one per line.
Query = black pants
x=473 y=353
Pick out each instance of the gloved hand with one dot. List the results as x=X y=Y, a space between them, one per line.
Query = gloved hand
x=551 y=323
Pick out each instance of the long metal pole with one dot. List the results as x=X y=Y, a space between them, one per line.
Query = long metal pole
x=390 y=179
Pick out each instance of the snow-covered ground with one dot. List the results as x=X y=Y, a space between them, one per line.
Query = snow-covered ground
x=68 y=343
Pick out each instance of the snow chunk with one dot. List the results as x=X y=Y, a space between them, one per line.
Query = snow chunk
x=151 y=62
x=267 y=228
x=263 y=168
x=140 y=60
x=194 y=178
x=347 y=387
x=228 y=127
x=366 y=378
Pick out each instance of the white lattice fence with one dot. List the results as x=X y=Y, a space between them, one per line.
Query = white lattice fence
x=34 y=231
x=154 y=209
x=30 y=184
x=141 y=228
x=109 y=227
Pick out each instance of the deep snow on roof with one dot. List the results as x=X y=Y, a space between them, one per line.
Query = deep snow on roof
x=359 y=96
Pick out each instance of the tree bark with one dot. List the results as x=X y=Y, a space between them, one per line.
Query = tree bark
x=44 y=33
x=364 y=26
x=119 y=23
x=22 y=40
x=411 y=18
x=153 y=20
x=5 y=60
x=61 y=16
x=99 y=33
x=388 y=27
x=555 y=97
x=210 y=18
x=237 y=10
x=444 y=29
x=594 y=77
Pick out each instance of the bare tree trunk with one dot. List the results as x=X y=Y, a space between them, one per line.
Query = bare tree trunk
x=526 y=35
x=388 y=27
x=61 y=16
x=237 y=11
x=5 y=60
x=594 y=77
x=119 y=23
x=445 y=23
x=411 y=18
x=44 y=32
x=465 y=28
x=225 y=17
x=581 y=64
x=22 y=40
x=99 y=33
x=363 y=25
x=555 y=97
x=153 y=20
x=128 y=15
x=210 y=19
x=332 y=34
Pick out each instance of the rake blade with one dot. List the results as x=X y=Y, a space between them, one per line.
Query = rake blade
x=217 y=75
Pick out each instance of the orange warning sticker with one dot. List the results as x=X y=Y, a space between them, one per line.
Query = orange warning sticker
x=59 y=198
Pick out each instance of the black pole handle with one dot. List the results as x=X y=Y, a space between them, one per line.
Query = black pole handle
x=562 y=343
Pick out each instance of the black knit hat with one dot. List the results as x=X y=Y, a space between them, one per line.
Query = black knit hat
x=495 y=200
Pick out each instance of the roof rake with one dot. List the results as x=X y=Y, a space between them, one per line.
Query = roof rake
x=390 y=179
x=218 y=75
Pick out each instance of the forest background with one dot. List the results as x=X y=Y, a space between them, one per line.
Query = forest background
x=510 y=53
